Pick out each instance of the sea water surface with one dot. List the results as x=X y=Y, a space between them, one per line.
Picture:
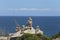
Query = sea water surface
x=48 y=24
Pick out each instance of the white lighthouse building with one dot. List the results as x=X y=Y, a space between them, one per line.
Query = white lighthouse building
x=26 y=29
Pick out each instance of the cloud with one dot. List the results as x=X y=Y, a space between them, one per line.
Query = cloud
x=29 y=9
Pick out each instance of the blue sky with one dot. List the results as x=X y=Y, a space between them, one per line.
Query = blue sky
x=29 y=7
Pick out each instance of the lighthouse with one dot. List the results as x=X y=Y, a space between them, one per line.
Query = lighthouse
x=28 y=28
x=29 y=23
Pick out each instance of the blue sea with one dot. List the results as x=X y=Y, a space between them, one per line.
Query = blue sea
x=50 y=25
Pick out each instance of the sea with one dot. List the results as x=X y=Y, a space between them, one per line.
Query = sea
x=50 y=25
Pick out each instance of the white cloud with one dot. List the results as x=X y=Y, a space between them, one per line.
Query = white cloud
x=29 y=9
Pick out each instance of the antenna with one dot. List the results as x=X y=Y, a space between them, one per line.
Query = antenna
x=4 y=31
x=17 y=26
x=16 y=23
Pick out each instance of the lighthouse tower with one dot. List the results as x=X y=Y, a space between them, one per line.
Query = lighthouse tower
x=29 y=23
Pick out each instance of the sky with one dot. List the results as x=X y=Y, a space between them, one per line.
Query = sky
x=29 y=7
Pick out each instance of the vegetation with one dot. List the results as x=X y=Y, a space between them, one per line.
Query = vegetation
x=33 y=37
x=18 y=38
x=56 y=36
